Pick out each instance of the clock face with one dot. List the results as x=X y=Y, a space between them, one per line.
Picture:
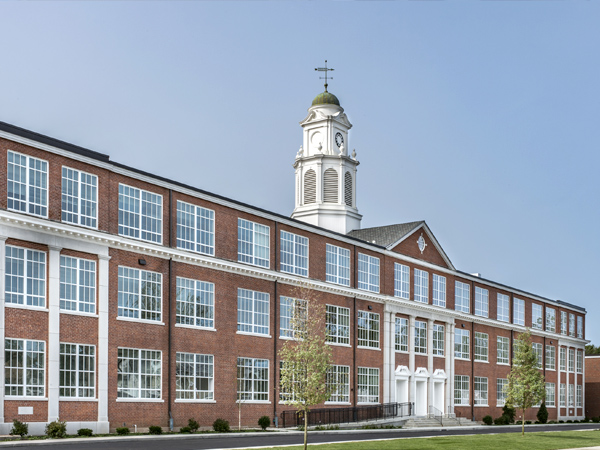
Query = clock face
x=339 y=139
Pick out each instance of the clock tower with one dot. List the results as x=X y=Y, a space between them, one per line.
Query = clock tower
x=325 y=172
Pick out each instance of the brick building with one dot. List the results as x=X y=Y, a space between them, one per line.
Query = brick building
x=130 y=298
x=592 y=385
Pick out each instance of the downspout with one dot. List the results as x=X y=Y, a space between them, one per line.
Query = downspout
x=275 y=334
x=472 y=300
x=169 y=358
x=355 y=282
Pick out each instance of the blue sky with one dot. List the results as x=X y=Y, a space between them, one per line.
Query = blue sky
x=479 y=117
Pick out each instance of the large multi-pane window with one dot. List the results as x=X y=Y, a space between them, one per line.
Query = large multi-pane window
x=501 y=388
x=253 y=243
x=194 y=376
x=562 y=395
x=77 y=284
x=438 y=340
x=537 y=317
x=27 y=184
x=563 y=358
x=439 y=290
x=481 y=302
x=420 y=337
x=571 y=395
x=24 y=368
x=77 y=376
x=139 y=373
x=292 y=316
x=421 y=288
x=571 y=360
x=401 y=334
x=503 y=308
x=461 y=343
x=481 y=347
x=195 y=303
x=550 y=394
x=579 y=361
x=579 y=396
x=195 y=228
x=368 y=329
x=252 y=380
x=462 y=294
x=140 y=294
x=253 y=312
x=550 y=357
x=25 y=279
x=502 y=349
x=337 y=266
x=538 y=349
x=338 y=324
x=401 y=281
x=580 y=327
x=368 y=385
x=368 y=273
x=563 y=323
x=140 y=214
x=461 y=390
x=294 y=254
x=550 y=320
x=572 y=325
x=338 y=381
x=480 y=385
x=79 y=198
x=519 y=311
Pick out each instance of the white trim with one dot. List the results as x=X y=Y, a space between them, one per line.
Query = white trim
x=248 y=333
x=131 y=319
x=194 y=327
x=186 y=400
x=139 y=400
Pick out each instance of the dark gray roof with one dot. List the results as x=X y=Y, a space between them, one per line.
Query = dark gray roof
x=385 y=236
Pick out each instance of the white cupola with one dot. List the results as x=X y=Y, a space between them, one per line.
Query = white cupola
x=325 y=173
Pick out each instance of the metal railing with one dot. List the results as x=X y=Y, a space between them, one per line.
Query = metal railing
x=327 y=416
x=436 y=414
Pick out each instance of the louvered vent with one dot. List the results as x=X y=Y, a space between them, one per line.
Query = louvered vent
x=330 y=186
x=310 y=187
x=348 y=188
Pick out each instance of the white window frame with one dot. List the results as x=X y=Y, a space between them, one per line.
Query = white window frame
x=368 y=329
x=461 y=344
x=551 y=320
x=538 y=349
x=76 y=207
x=438 y=340
x=26 y=378
x=338 y=381
x=571 y=395
x=571 y=325
x=578 y=396
x=368 y=385
x=338 y=324
x=337 y=265
x=462 y=297
x=401 y=281
x=35 y=172
x=77 y=284
x=133 y=304
x=502 y=350
x=503 y=308
x=25 y=277
x=571 y=360
x=563 y=322
x=518 y=311
x=501 y=395
x=550 y=357
x=401 y=334
x=481 y=302
x=143 y=378
x=145 y=226
x=563 y=359
x=194 y=377
x=252 y=380
x=439 y=290
x=580 y=327
x=254 y=317
x=195 y=228
x=461 y=390
x=368 y=273
x=290 y=309
x=77 y=365
x=195 y=303
x=550 y=395
x=562 y=395
x=420 y=337
x=421 y=286
x=537 y=316
x=480 y=392
x=254 y=243
x=579 y=361
x=481 y=347
x=293 y=254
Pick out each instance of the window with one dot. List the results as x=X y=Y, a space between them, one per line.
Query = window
x=253 y=243
x=25 y=277
x=537 y=316
x=571 y=360
x=572 y=325
x=77 y=370
x=283 y=394
x=24 y=370
x=550 y=357
x=538 y=349
x=562 y=394
x=570 y=395
x=563 y=323
x=579 y=398
x=519 y=311
x=77 y=284
x=461 y=390
x=338 y=378
x=501 y=387
x=580 y=327
x=401 y=281
x=550 y=320
x=438 y=340
x=368 y=273
x=579 y=361
x=563 y=358
x=550 y=394
x=253 y=312
x=481 y=302
x=420 y=337
x=439 y=290
x=462 y=295
x=27 y=184
x=368 y=385
x=79 y=198
x=292 y=314
x=139 y=373
x=294 y=254
x=140 y=214
x=195 y=228
x=481 y=391
x=195 y=303
x=140 y=294
x=253 y=379
x=338 y=265
x=368 y=329
x=194 y=376
x=502 y=348
x=481 y=347
x=421 y=286
x=461 y=343
x=401 y=334
x=503 y=308
x=338 y=324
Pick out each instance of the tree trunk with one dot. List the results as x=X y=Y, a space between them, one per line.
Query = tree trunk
x=523 y=423
x=239 y=416
x=305 y=430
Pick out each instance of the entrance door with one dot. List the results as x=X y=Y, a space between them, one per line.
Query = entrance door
x=401 y=391
x=438 y=395
x=421 y=398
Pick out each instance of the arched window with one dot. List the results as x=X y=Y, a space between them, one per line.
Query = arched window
x=310 y=187
x=348 y=188
x=330 y=186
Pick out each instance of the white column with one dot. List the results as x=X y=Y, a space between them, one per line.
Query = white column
x=53 y=333
x=558 y=383
x=450 y=369
x=2 y=324
x=430 y=392
x=411 y=359
x=102 y=350
x=388 y=356
x=583 y=382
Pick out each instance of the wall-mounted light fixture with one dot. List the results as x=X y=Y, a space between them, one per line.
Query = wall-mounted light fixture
x=370 y=307
x=142 y=262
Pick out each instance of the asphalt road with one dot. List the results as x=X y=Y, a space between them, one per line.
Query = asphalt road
x=204 y=442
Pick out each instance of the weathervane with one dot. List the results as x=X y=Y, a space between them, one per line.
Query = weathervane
x=324 y=69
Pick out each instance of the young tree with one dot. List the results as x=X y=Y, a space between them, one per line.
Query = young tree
x=526 y=385
x=306 y=358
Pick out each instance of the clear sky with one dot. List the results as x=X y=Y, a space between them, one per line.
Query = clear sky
x=479 y=117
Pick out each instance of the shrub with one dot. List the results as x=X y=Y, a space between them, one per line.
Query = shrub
x=528 y=422
x=502 y=420
x=84 y=432
x=569 y=421
x=561 y=421
x=185 y=430
x=488 y=420
x=596 y=419
x=542 y=414
x=221 y=426
x=264 y=422
x=155 y=429
x=19 y=428
x=509 y=412
x=193 y=425
x=122 y=431
x=56 y=429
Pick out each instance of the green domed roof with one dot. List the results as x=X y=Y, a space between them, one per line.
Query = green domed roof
x=326 y=98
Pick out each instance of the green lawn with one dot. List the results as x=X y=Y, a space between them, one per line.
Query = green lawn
x=511 y=441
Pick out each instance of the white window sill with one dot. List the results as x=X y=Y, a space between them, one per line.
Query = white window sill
x=439 y=305
x=420 y=353
x=78 y=399
x=28 y=213
x=185 y=400
x=401 y=297
x=196 y=251
x=140 y=400
x=368 y=348
x=247 y=333
x=78 y=313
x=368 y=403
x=438 y=356
x=81 y=225
x=254 y=402
x=32 y=308
x=26 y=398
x=481 y=361
x=142 y=240
x=550 y=406
x=337 y=344
x=551 y=370
x=502 y=364
x=482 y=406
x=368 y=290
x=462 y=406
x=402 y=351
x=337 y=403
x=267 y=266
x=294 y=273
x=149 y=322
x=485 y=316
x=462 y=359
x=194 y=327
